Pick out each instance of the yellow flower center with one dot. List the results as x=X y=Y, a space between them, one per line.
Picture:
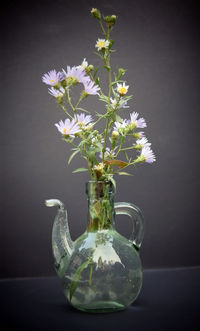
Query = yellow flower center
x=52 y=80
x=64 y=130
x=101 y=44
x=122 y=90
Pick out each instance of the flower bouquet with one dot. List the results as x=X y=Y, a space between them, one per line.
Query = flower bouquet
x=89 y=266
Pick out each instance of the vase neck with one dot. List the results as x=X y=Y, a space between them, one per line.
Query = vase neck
x=100 y=205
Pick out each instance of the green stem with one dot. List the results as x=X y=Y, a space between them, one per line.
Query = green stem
x=91 y=272
x=120 y=149
x=78 y=103
x=70 y=103
x=65 y=110
x=132 y=163
x=109 y=95
x=126 y=148
x=104 y=32
x=89 y=163
x=92 y=78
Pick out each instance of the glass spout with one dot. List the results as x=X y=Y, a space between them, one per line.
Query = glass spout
x=62 y=243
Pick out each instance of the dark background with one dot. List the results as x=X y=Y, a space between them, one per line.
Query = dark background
x=158 y=42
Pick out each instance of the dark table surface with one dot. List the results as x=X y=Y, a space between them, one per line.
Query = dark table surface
x=169 y=300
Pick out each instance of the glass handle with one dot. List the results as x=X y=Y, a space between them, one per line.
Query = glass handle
x=129 y=209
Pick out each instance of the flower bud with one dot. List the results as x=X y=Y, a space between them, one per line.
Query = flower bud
x=84 y=95
x=99 y=137
x=96 y=13
x=59 y=99
x=115 y=134
x=64 y=83
x=132 y=126
x=110 y=20
x=95 y=133
x=137 y=135
x=138 y=146
x=72 y=81
x=121 y=72
x=99 y=170
x=89 y=68
x=89 y=127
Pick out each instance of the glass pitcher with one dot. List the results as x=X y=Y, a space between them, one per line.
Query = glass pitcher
x=101 y=271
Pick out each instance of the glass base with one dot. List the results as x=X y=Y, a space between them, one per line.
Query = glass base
x=101 y=307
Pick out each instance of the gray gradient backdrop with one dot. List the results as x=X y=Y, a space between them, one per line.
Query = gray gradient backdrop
x=158 y=41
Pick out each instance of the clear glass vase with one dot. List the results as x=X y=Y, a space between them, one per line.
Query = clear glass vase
x=101 y=271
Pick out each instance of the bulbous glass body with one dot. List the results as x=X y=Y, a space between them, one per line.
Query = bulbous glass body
x=103 y=272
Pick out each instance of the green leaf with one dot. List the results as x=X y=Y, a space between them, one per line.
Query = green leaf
x=113 y=182
x=97 y=81
x=98 y=55
x=119 y=119
x=101 y=115
x=124 y=173
x=97 y=69
x=76 y=279
x=111 y=43
x=72 y=155
x=122 y=140
x=107 y=68
x=93 y=213
x=126 y=155
x=79 y=170
x=92 y=155
x=119 y=163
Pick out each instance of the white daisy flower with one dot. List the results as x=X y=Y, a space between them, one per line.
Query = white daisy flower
x=99 y=167
x=122 y=89
x=102 y=44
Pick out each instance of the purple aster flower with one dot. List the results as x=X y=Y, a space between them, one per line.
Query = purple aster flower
x=76 y=73
x=84 y=119
x=62 y=76
x=123 y=104
x=51 y=78
x=140 y=134
x=56 y=93
x=140 y=123
x=84 y=64
x=147 y=155
x=68 y=127
x=91 y=88
x=119 y=125
x=142 y=142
